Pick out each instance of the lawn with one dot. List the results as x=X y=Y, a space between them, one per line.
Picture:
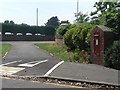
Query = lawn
x=4 y=48
x=58 y=52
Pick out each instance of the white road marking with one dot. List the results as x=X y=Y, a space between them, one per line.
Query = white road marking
x=10 y=63
x=31 y=64
x=9 y=70
x=53 y=68
x=5 y=54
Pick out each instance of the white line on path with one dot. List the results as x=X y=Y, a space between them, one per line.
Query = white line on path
x=9 y=70
x=10 y=63
x=5 y=54
x=53 y=68
x=31 y=64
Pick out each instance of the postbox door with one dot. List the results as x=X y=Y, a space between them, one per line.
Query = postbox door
x=97 y=43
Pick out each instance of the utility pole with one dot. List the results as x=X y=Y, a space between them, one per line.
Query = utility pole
x=77 y=8
x=37 y=17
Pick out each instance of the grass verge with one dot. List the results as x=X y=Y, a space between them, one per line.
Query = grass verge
x=58 y=52
x=4 y=48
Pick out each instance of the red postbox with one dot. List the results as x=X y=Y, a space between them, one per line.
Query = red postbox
x=97 y=43
x=101 y=38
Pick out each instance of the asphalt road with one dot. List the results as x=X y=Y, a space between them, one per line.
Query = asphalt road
x=24 y=59
x=26 y=53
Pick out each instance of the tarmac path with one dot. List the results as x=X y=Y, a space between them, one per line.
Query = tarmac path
x=24 y=59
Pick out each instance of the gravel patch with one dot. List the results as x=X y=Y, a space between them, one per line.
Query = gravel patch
x=88 y=85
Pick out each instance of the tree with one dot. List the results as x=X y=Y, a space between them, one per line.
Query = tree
x=108 y=14
x=81 y=18
x=11 y=22
x=53 y=21
x=6 y=21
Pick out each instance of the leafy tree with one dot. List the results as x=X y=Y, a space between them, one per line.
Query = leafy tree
x=108 y=14
x=81 y=18
x=53 y=21
x=11 y=22
x=6 y=21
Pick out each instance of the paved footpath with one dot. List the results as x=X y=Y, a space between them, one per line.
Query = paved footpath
x=24 y=59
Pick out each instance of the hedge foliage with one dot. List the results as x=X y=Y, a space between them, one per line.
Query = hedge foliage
x=61 y=30
x=68 y=40
x=112 y=56
x=78 y=36
x=15 y=28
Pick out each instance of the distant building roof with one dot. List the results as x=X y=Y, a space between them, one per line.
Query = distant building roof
x=104 y=28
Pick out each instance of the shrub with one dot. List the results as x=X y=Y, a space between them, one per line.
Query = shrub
x=68 y=39
x=78 y=39
x=79 y=36
x=81 y=56
x=61 y=30
x=112 y=56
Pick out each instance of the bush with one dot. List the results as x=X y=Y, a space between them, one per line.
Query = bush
x=61 y=30
x=112 y=56
x=68 y=39
x=79 y=36
x=81 y=56
x=79 y=39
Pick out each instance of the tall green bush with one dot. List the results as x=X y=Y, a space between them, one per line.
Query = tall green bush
x=112 y=56
x=78 y=36
x=68 y=39
x=61 y=30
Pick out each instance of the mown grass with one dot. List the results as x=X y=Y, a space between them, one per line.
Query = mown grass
x=4 y=48
x=58 y=52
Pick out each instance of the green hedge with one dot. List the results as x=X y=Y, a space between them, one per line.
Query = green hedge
x=61 y=30
x=78 y=36
x=112 y=56
x=68 y=39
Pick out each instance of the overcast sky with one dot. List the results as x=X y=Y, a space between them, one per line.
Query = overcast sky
x=24 y=11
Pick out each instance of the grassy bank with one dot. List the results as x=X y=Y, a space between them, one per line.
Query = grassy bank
x=4 y=48
x=58 y=52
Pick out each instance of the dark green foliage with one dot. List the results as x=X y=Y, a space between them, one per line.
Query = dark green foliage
x=53 y=22
x=61 y=30
x=109 y=15
x=113 y=21
x=11 y=22
x=112 y=56
x=48 y=30
x=6 y=21
x=24 y=28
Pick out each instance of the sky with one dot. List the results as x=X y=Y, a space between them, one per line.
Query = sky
x=24 y=11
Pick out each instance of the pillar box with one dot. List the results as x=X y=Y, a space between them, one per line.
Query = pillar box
x=101 y=38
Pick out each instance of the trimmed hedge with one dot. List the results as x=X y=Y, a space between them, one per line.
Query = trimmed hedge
x=68 y=39
x=78 y=37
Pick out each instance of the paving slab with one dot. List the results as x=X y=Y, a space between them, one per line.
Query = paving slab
x=87 y=72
